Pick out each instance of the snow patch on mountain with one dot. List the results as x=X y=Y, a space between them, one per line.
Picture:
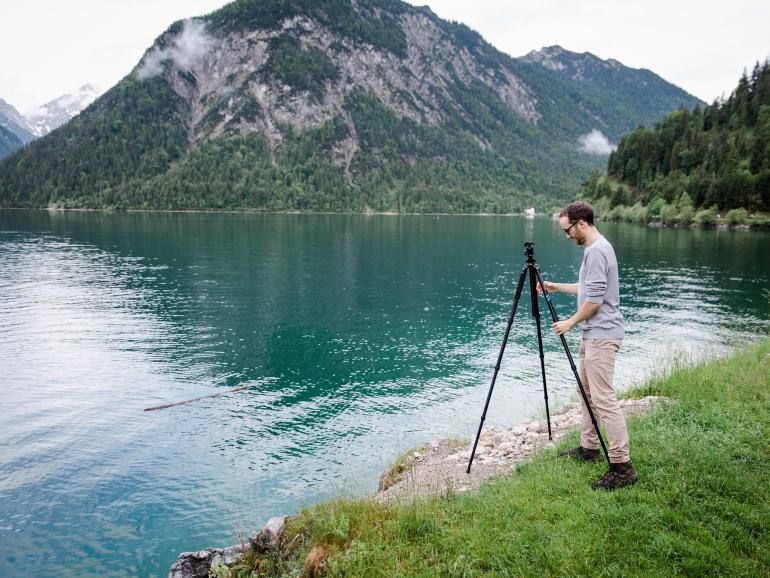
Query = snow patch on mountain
x=53 y=114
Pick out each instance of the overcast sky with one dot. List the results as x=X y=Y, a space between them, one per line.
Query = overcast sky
x=52 y=47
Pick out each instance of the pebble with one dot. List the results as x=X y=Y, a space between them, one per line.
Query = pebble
x=542 y=427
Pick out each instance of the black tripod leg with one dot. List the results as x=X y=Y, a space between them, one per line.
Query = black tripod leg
x=572 y=363
x=499 y=360
x=536 y=315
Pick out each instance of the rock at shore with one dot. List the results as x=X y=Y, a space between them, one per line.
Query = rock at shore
x=198 y=564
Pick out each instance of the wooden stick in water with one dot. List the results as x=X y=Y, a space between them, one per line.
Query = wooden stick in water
x=197 y=398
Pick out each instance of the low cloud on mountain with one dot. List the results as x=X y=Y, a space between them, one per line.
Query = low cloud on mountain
x=187 y=48
x=595 y=143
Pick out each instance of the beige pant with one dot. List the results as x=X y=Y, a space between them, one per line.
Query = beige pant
x=597 y=369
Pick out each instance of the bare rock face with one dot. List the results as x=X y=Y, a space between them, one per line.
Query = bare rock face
x=547 y=57
x=226 y=79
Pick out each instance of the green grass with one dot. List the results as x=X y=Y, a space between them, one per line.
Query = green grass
x=701 y=507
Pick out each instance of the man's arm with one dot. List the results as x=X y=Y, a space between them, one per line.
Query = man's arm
x=595 y=270
x=585 y=311
x=568 y=288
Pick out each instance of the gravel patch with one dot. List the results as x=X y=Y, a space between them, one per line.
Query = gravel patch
x=440 y=468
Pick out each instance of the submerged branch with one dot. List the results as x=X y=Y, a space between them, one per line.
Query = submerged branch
x=166 y=406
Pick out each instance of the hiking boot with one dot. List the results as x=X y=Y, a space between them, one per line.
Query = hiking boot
x=618 y=476
x=581 y=453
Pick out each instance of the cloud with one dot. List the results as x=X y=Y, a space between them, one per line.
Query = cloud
x=595 y=143
x=186 y=49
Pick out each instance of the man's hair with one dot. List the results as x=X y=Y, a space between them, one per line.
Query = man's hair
x=578 y=210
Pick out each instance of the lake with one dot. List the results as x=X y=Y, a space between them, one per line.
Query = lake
x=358 y=337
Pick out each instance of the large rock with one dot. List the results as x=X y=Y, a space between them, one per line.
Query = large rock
x=269 y=537
x=198 y=564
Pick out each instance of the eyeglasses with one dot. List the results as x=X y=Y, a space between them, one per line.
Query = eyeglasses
x=566 y=231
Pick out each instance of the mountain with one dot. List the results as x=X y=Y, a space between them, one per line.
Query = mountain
x=17 y=130
x=338 y=105
x=9 y=142
x=53 y=114
x=14 y=122
x=717 y=158
x=618 y=98
x=14 y=132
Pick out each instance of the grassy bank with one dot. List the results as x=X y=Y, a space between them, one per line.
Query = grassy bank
x=701 y=507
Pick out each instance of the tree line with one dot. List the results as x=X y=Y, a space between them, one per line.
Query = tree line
x=694 y=165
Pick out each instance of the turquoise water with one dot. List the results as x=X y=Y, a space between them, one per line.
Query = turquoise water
x=358 y=336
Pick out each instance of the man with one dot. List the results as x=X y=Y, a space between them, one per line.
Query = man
x=598 y=313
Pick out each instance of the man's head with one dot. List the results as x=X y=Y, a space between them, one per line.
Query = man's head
x=577 y=221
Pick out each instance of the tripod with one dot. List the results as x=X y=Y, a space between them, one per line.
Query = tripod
x=535 y=278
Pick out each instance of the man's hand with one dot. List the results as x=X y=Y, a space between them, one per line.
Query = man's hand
x=550 y=287
x=562 y=327
x=585 y=311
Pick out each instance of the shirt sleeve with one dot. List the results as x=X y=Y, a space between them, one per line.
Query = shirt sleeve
x=596 y=266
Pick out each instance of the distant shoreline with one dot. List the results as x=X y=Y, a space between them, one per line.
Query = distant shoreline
x=651 y=224
x=264 y=212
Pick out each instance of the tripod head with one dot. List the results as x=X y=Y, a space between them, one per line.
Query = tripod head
x=529 y=252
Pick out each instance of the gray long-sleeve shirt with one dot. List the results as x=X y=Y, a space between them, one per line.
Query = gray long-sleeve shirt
x=598 y=283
